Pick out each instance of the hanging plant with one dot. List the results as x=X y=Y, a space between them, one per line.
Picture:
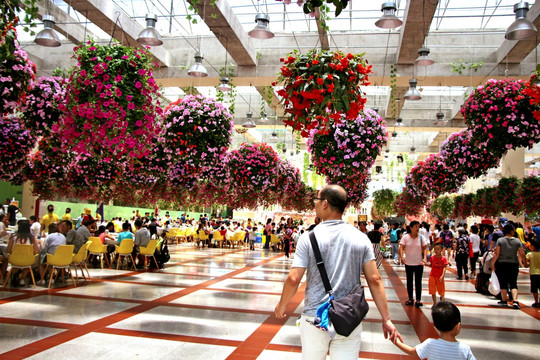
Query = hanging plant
x=500 y=116
x=197 y=132
x=485 y=202
x=16 y=74
x=350 y=147
x=253 y=170
x=321 y=86
x=41 y=111
x=442 y=207
x=465 y=158
x=530 y=195
x=112 y=101
x=16 y=143
x=356 y=186
x=383 y=202
x=409 y=204
x=463 y=206
x=310 y=6
x=508 y=195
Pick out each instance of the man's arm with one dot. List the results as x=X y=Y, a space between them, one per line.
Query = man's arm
x=289 y=289
x=376 y=288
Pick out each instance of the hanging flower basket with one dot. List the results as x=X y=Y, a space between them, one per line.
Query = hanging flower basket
x=16 y=74
x=253 y=170
x=41 y=110
x=530 y=195
x=321 y=86
x=197 y=132
x=508 y=195
x=485 y=202
x=463 y=206
x=464 y=157
x=409 y=204
x=16 y=143
x=500 y=116
x=349 y=147
x=112 y=101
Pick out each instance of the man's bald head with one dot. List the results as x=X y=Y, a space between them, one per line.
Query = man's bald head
x=336 y=196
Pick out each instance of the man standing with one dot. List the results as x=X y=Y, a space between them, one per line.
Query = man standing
x=414 y=247
x=346 y=252
x=67 y=215
x=48 y=218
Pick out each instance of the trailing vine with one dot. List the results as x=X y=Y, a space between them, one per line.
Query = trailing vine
x=192 y=7
x=9 y=19
x=460 y=66
x=393 y=89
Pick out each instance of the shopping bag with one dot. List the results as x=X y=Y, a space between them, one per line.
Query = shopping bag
x=494 y=286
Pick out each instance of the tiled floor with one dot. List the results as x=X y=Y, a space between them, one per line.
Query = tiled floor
x=218 y=304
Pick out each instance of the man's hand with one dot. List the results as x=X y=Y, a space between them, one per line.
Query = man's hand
x=390 y=331
x=280 y=311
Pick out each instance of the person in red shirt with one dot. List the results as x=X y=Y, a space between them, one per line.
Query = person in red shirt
x=438 y=269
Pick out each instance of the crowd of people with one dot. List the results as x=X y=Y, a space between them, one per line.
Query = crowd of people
x=501 y=246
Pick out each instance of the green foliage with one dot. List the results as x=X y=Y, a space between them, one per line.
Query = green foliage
x=267 y=95
x=194 y=7
x=311 y=5
x=460 y=66
x=383 y=202
x=9 y=19
x=228 y=71
x=442 y=207
x=393 y=89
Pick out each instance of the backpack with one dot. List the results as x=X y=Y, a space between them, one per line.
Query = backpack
x=393 y=236
x=447 y=238
x=162 y=255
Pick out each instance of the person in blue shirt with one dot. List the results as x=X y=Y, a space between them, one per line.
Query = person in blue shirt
x=125 y=234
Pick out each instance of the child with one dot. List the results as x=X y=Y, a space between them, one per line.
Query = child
x=438 y=265
x=533 y=261
x=252 y=235
x=447 y=320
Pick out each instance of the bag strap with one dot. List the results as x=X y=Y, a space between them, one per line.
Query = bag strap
x=320 y=263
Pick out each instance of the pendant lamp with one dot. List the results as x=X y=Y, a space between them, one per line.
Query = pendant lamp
x=423 y=57
x=394 y=134
x=399 y=122
x=440 y=116
x=198 y=69
x=224 y=84
x=47 y=36
x=274 y=136
x=389 y=19
x=150 y=36
x=412 y=93
x=249 y=122
x=264 y=117
x=521 y=28
x=261 y=30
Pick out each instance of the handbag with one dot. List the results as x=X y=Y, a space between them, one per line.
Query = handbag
x=349 y=311
x=494 y=286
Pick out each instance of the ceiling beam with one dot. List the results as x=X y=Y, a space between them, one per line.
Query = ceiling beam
x=513 y=51
x=417 y=21
x=222 y=21
x=398 y=101
x=275 y=104
x=105 y=14
x=64 y=23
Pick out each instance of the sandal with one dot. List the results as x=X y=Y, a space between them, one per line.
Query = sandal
x=409 y=302
x=418 y=304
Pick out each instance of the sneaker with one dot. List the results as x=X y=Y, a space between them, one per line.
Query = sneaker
x=418 y=304
x=515 y=305
x=409 y=302
x=536 y=305
x=502 y=303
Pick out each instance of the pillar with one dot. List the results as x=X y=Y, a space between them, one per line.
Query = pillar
x=513 y=164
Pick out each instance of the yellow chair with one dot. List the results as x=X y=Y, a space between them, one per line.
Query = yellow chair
x=181 y=236
x=202 y=236
x=22 y=257
x=149 y=251
x=79 y=260
x=96 y=248
x=189 y=234
x=275 y=242
x=61 y=259
x=237 y=237
x=218 y=238
x=125 y=249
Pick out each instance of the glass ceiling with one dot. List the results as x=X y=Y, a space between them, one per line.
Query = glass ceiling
x=360 y=15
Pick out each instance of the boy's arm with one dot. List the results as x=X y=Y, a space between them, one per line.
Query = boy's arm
x=407 y=349
x=443 y=272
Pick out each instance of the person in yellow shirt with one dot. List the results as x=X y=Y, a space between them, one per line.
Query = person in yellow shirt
x=48 y=219
x=67 y=215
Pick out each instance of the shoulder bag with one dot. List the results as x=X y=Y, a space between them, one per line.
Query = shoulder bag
x=348 y=312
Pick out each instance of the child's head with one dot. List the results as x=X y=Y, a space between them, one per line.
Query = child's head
x=536 y=244
x=437 y=248
x=446 y=317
